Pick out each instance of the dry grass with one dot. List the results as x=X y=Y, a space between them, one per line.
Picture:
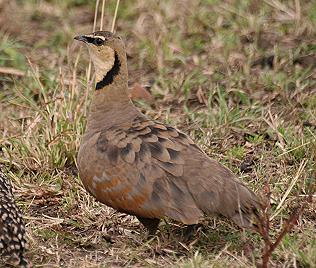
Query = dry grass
x=239 y=76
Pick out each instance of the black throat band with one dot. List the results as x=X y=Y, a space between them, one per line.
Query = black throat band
x=110 y=75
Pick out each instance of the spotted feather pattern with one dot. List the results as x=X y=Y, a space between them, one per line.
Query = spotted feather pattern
x=12 y=228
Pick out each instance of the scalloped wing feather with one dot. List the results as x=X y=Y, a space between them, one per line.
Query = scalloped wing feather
x=154 y=171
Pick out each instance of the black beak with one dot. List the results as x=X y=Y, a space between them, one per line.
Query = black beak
x=81 y=38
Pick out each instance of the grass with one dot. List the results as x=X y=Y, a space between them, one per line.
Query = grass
x=238 y=76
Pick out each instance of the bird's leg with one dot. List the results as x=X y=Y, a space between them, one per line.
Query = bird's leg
x=150 y=224
x=190 y=231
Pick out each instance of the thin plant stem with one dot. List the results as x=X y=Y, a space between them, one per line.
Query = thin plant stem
x=102 y=15
x=115 y=15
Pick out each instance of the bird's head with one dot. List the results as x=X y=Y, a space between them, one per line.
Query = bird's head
x=106 y=49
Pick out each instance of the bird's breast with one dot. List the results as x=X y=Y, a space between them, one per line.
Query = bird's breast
x=115 y=185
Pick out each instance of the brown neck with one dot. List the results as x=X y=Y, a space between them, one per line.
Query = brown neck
x=111 y=104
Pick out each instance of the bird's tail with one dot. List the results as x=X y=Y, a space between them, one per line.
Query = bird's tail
x=223 y=194
x=242 y=205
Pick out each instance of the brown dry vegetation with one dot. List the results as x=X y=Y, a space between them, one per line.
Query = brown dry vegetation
x=238 y=76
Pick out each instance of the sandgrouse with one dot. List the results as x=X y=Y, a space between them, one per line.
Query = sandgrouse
x=145 y=168
x=12 y=229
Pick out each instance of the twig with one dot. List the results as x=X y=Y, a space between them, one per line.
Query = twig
x=96 y=14
x=115 y=15
x=281 y=7
x=295 y=148
x=264 y=224
x=12 y=71
x=297 y=10
x=102 y=15
x=93 y=29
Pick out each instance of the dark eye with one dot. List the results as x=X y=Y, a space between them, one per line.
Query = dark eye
x=98 y=41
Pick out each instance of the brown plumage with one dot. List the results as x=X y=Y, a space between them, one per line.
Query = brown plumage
x=143 y=167
x=12 y=229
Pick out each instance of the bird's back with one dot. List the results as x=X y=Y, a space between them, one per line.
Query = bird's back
x=151 y=170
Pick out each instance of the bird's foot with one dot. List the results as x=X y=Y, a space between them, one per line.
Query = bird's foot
x=190 y=231
x=151 y=225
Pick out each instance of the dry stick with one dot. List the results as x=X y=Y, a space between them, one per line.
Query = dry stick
x=115 y=15
x=102 y=15
x=298 y=16
x=93 y=29
x=295 y=148
x=281 y=7
x=297 y=10
x=13 y=71
x=90 y=63
x=289 y=224
x=264 y=224
x=95 y=14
